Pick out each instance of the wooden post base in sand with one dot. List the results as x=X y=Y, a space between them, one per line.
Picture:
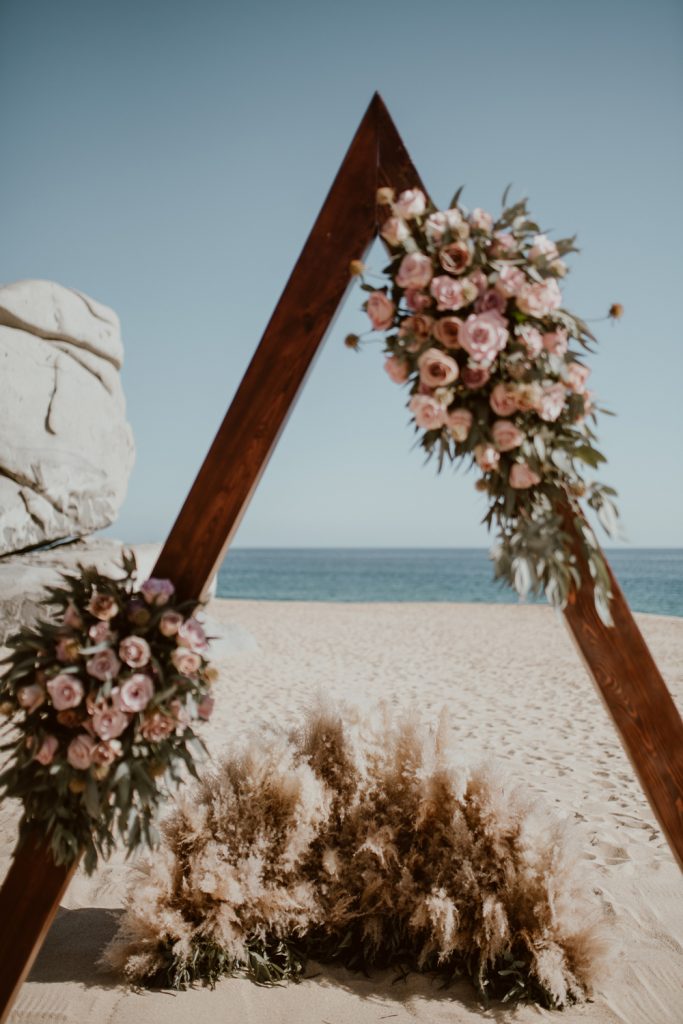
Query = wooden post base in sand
x=617 y=657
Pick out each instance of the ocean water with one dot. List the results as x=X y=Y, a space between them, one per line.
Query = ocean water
x=651 y=578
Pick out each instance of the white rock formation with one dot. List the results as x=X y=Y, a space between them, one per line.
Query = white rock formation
x=66 y=450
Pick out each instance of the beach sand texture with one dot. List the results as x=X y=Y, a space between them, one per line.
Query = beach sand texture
x=516 y=691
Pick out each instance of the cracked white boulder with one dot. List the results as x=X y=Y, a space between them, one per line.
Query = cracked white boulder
x=66 y=450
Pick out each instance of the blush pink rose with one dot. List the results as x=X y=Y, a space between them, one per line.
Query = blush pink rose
x=47 y=751
x=135 y=694
x=170 y=622
x=555 y=342
x=459 y=423
x=420 y=325
x=397 y=369
x=415 y=271
x=478 y=280
x=416 y=300
x=543 y=247
x=503 y=400
x=205 y=708
x=480 y=220
x=577 y=375
x=449 y=293
x=103 y=665
x=30 y=697
x=394 y=231
x=447 y=331
x=100 y=633
x=106 y=753
x=540 y=297
x=72 y=617
x=531 y=338
x=522 y=476
x=103 y=606
x=490 y=299
x=157 y=727
x=436 y=368
x=487 y=457
x=191 y=634
x=551 y=402
x=455 y=258
x=528 y=396
x=411 y=203
x=80 y=750
x=66 y=691
x=428 y=412
x=475 y=377
x=134 y=651
x=157 y=592
x=381 y=311
x=510 y=281
x=108 y=723
x=503 y=243
x=186 y=662
x=484 y=335
x=506 y=435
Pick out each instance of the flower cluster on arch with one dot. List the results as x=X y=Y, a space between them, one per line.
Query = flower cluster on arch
x=474 y=326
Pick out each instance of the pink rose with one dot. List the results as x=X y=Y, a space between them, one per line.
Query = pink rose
x=503 y=400
x=490 y=299
x=531 y=338
x=65 y=690
x=135 y=694
x=72 y=617
x=437 y=224
x=428 y=412
x=411 y=203
x=170 y=622
x=506 y=435
x=510 y=281
x=205 y=708
x=522 y=476
x=487 y=457
x=80 y=750
x=107 y=752
x=475 y=377
x=437 y=369
x=30 y=697
x=455 y=258
x=577 y=375
x=47 y=751
x=103 y=665
x=551 y=402
x=415 y=271
x=397 y=369
x=555 y=342
x=134 y=651
x=540 y=298
x=480 y=220
x=191 y=634
x=67 y=649
x=416 y=300
x=157 y=592
x=447 y=331
x=103 y=606
x=420 y=325
x=100 y=633
x=157 y=727
x=543 y=247
x=503 y=243
x=381 y=311
x=459 y=422
x=478 y=280
x=394 y=231
x=186 y=662
x=109 y=722
x=484 y=335
x=449 y=293
x=528 y=396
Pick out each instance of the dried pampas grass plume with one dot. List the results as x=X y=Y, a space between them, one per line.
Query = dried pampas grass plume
x=362 y=841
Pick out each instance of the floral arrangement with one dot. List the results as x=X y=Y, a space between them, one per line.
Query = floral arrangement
x=100 y=702
x=473 y=323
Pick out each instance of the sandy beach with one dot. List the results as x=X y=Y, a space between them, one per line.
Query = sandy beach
x=516 y=691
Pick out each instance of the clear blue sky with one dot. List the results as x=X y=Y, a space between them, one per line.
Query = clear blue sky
x=169 y=159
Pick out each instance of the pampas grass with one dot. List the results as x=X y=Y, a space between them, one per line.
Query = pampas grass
x=361 y=842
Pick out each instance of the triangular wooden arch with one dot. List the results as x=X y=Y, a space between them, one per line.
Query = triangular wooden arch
x=617 y=658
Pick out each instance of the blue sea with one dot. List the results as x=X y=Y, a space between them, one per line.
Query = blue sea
x=651 y=578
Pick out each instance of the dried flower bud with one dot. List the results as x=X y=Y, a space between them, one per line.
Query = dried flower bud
x=77 y=785
x=578 y=489
x=385 y=196
x=356 y=268
x=616 y=311
x=352 y=341
x=481 y=485
x=6 y=708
